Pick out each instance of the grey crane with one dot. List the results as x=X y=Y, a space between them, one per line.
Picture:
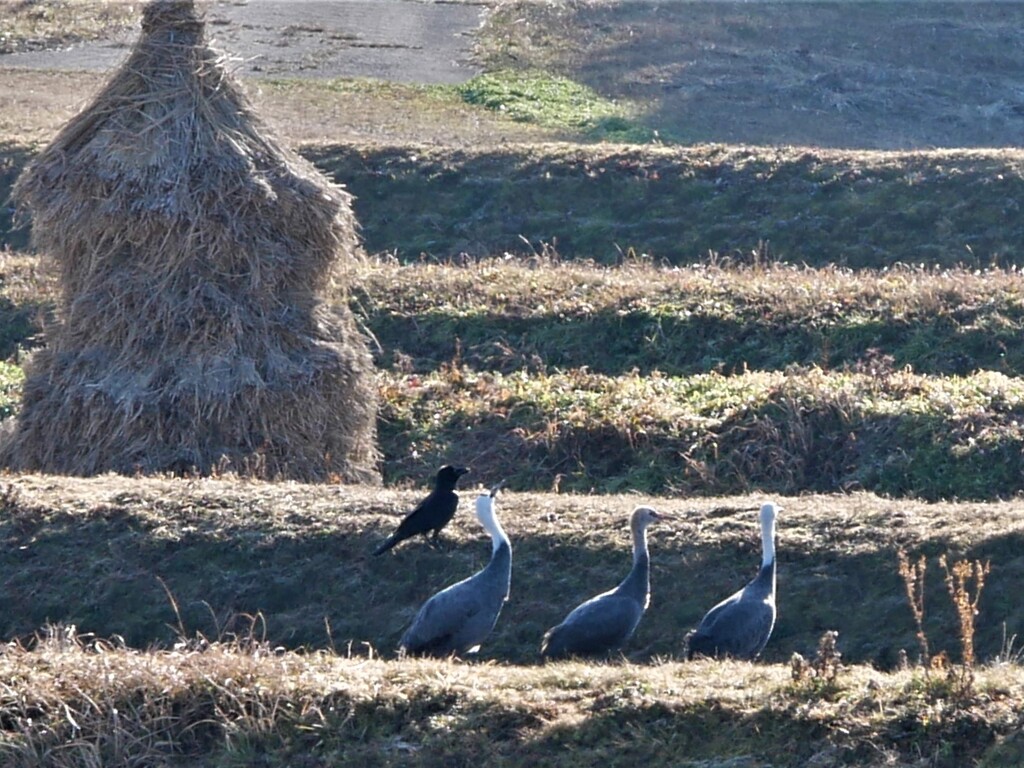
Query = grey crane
x=459 y=618
x=604 y=623
x=740 y=625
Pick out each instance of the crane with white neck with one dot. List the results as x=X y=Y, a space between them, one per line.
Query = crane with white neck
x=740 y=625
x=459 y=618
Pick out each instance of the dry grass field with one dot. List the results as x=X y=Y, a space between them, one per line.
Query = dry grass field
x=211 y=621
x=655 y=320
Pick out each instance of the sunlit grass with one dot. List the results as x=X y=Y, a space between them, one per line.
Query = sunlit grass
x=701 y=379
x=805 y=429
x=225 y=703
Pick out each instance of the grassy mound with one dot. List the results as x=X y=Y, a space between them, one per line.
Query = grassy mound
x=858 y=209
x=895 y=433
x=608 y=202
x=892 y=432
x=703 y=380
x=149 y=560
x=507 y=315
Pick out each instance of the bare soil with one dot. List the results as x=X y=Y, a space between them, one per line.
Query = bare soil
x=287 y=52
x=897 y=75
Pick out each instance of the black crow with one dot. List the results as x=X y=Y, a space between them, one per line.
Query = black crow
x=431 y=514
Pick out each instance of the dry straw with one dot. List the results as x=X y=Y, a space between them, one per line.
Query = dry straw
x=193 y=253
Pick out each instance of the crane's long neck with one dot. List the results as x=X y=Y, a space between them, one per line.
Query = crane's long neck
x=638 y=583
x=766 y=576
x=501 y=549
x=498 y=537
x=768 y=543
x=640 y=555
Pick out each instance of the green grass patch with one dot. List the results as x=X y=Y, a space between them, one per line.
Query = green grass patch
x=553 y=101
x=892 y=432
x=12 y=378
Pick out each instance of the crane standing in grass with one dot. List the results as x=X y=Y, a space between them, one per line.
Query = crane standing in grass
x=740 y=625
x=458 y=619
x=604 y=623
x=431 y=514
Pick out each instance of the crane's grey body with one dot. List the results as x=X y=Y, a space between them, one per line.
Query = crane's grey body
x=606 y=622
x=459 y=618
x=740 y=625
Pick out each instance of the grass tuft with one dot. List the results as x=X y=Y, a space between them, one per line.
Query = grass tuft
x=554 y=102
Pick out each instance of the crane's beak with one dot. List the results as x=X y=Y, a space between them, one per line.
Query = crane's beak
x=498 y=487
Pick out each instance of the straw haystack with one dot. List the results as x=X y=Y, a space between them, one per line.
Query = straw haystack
x=193 y=252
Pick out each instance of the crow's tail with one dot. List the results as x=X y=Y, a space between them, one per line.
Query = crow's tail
x=389 y=542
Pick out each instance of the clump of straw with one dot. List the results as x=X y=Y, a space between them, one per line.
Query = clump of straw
x=194 y=254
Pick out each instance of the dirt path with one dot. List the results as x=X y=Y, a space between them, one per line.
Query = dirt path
x=397 y=40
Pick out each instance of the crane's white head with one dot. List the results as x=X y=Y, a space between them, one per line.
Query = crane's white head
x=485 y=507
x=485 y=503
x=769 y=511
x=485 y=513
x=644 y=516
